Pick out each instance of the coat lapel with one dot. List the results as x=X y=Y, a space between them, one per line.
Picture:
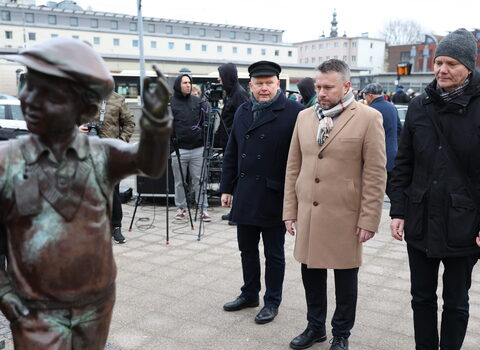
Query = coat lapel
x=342 y=120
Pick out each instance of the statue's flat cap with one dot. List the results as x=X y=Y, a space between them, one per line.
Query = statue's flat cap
x=264 y=69
x=70 y=59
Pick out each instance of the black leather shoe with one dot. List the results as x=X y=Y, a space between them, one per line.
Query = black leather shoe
x=307 y=339
x=232 y=223
x=226 y=216
x=117 y=235
x=239 y=304
x=339 y=343
x=267 y=314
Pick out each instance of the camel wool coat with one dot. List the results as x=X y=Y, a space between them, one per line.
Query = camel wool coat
x=333 y=189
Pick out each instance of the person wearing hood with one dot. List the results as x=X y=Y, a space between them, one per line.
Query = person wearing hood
x=435 y=192
x=235 y=96
x=189 y=112
x=306 y=86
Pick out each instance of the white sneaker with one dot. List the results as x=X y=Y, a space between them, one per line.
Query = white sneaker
x=180 y=214
x=206 y=217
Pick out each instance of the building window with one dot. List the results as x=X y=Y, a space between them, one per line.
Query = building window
x=261 y=37
x=94 y=23
x=234 y=50
x=371 y=45
x=135 y=43
x=171 y=45
x=290 y=53
x=116 y=42
x=8 y=34
x=371 y=59
x=327 y=58
x=204 y=48
x=153 y=44
x=52 y=19
x=247 y=36
x=354 y=58
x=335 y=57
x=96 y=40
x=29 y=18
x=113 y=24
x=202 y=32
x=313 y=59
x=74 y=21
x=335 y=44
x=305 y=48
x=327 y=45
x=133 y=26
x=313 y=47
x=306 y=60
x=219 y=49
x=32 y=36
x=277 y=52
x=186 y=31
x=264 y=52
x=188 y=47
x=345 y=58
x=151 y=28
x=354 y=45
x=217 y=33
x=249 y=51
x=6 y=16
x=275 y=38
x=54 y=36
x=169 y=29
x=75 y=37
x=345 y=44
x=320 y=59
x=232 y=35
x=320 y=46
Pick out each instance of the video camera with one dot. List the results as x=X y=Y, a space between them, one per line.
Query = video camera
x=214 y=91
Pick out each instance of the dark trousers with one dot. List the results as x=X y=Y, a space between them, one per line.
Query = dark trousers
x=457 y=279
x=273 y=242
x=117 y=213
x=388 y=188
x=346 y=287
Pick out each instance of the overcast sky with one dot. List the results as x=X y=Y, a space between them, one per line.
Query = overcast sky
x=305 y=19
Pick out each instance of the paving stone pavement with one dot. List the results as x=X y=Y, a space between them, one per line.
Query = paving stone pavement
x=171 y=296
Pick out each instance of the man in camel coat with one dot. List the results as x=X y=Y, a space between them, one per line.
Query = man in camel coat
x=334 y=188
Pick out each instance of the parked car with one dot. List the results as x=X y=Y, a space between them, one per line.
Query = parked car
x=12 y=123
x=7 y=97
x=402 y=112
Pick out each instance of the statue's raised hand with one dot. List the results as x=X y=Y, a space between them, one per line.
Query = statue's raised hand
x=155 y=100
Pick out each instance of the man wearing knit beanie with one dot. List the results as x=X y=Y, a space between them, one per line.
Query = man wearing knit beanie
x=435 y=196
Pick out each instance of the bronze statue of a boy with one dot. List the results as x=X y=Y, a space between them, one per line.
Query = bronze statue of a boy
x=55 y=191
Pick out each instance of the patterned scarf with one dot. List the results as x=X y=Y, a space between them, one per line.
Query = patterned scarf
x=259 y=107
x=448 y=96
x=326 y=116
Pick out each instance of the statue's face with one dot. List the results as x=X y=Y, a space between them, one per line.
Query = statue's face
x=48 y=104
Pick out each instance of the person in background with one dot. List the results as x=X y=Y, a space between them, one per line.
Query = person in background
x=113 y=120
x=400 y=97
x=375 y=98
x=306 y=87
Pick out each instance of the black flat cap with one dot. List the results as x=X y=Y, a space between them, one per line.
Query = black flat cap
x=373 y=88
x=264 y=69
x=70 y=59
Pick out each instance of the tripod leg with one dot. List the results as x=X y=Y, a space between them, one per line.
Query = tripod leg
x=167 y=240
x=134 y=212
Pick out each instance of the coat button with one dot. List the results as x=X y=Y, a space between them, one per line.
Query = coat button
x=247 y=136
x=243 y=155
x=320 y=156
x=435 y=182
x=257 y=177
x=315 y=204
x=439 y=147
x=317 y=180
x=262 y=136
x=242 y=174
x=259 y=156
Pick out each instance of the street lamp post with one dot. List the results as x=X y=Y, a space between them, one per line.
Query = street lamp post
x=140 y=45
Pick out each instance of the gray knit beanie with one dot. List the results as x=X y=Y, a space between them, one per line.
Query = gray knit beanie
x=460 y=45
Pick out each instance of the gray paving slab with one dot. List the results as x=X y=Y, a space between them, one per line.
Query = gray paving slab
x=171 y=296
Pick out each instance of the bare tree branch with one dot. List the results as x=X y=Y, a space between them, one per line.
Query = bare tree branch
x=401 y=31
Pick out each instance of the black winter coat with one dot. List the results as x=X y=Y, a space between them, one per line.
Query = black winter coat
x=254 y=163
x=188 y=113
x=441 y=214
